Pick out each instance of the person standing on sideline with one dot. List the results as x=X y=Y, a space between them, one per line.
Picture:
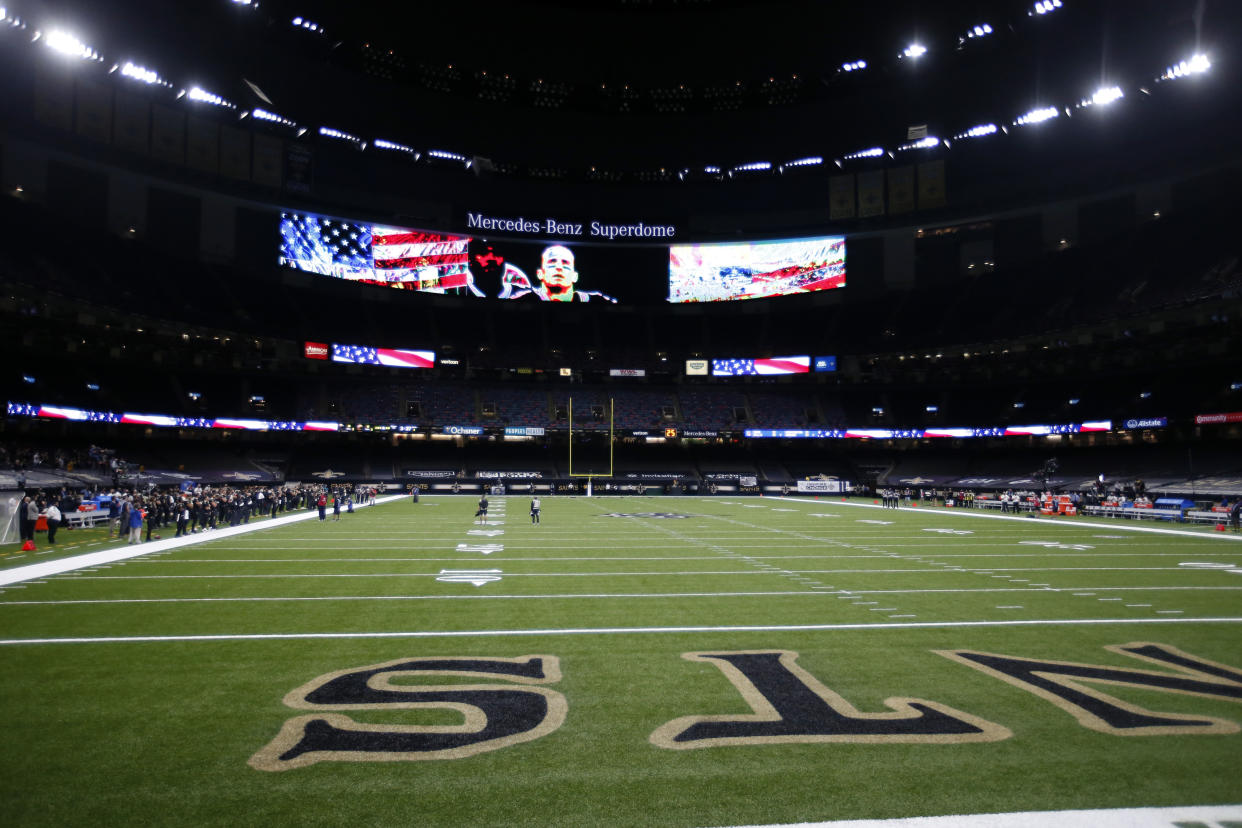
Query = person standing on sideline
x=322 y=503
x=135 y=524
x=482 y=512
x=25 y=524
x=1235 y=516
x=336 y=506
x=53 y=522
x=534 y=509
x=414 y=494
x=183 y=518
x=114 y=516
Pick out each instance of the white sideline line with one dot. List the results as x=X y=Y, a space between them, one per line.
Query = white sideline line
x=905 y=625
x=597 y=558
x=75 y=562
x=1101 y=818
x=768 y=570
x=1041 y=523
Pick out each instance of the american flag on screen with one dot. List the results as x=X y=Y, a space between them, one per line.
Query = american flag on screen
x=381 y=254
x=748 y=367
x=392 y=357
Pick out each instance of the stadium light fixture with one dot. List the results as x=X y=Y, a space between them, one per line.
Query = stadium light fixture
x=914 y=50
x=873 y=152
x=11 y=20
x=271 y=118
x=197 y=93
x=754 y=166
x=303 y=23
x=329 y=132
x=1197 y=65
x=1103 y=96
x=448 y=156
x=923 y=143
x=982 y=30
x=855 y=66
x=142 y=74
x=1036 y=116
x=64 y=43
x=976 y=132
x=805 y=162
x=380 y=143
x=1044 y=7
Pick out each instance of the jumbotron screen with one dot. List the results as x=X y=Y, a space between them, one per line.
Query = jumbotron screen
x=430 y=262
x=754 y=270
x=395 y=256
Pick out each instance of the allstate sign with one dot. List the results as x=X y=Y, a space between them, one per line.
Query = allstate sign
x=1147 y=422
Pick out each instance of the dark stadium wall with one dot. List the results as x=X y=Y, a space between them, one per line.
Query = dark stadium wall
x=79 y=194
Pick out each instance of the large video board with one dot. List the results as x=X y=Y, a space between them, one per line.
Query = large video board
x=393 y=256
x=754 y=270
x=410 y=259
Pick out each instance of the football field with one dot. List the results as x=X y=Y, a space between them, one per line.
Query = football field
x=629 y=661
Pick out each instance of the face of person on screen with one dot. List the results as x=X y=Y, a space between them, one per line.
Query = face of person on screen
x=557 y=274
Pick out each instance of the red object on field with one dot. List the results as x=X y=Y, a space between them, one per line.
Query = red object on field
x=28 y=546
x=1220 y=527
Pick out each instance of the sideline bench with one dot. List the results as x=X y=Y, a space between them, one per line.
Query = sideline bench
x=1133 y=513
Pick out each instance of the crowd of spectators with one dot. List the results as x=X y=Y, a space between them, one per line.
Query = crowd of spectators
x=188 y=510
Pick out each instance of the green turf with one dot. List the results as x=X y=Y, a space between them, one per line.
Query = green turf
x=161 y=731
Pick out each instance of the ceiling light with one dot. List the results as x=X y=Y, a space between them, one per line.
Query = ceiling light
x=329 y=132
x=271 y=117
x=201 y=95
x=141 y=74
x=873 y=152
x=1035 y=116
x=1103 y=96
x=67 y=44
x=914 y=50
x=976 y=132
x=380 y=143
x=1197 y=65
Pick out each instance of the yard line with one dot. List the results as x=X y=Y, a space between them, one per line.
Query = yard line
x=464 y=597
x=904 y=625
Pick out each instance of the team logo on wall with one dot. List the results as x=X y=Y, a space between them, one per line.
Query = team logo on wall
x=510 y=708
x=328 y=474
x=669 y=515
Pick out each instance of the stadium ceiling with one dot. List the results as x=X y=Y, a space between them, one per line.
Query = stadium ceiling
x=558 y=83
